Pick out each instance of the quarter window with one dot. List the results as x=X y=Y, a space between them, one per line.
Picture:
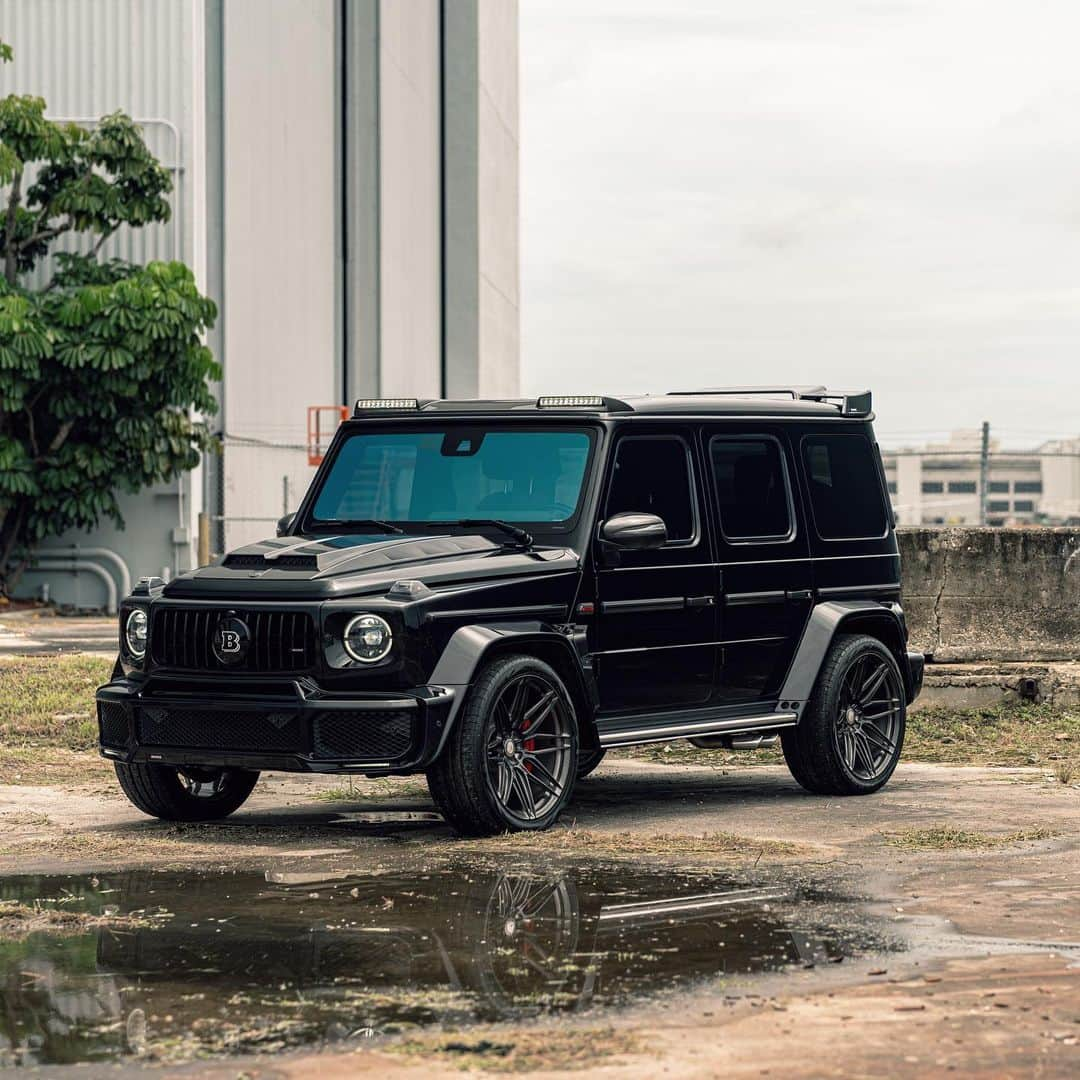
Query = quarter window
x=751 y=489
x=845 y=490
x=652 y=476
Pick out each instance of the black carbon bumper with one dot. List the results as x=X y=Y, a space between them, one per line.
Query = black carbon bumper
x=287 y=725
x=917 y=667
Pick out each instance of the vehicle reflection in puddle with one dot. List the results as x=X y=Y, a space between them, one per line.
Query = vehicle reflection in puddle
x=258 y=961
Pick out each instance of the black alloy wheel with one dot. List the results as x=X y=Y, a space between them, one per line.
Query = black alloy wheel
x=850 y=735
x=511 y=758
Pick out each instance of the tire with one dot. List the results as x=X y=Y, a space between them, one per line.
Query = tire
x=588 y=761
x=172 y=794
x=850 y=737
x=510 y=761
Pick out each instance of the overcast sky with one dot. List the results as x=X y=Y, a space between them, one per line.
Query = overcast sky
x=875 y=193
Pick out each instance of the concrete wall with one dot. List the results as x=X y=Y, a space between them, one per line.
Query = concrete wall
x=993 y=594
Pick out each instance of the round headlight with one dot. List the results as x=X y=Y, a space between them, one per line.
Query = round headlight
x=367 y=638
x=135 y=633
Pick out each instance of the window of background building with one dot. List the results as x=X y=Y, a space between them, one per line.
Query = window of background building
x=932 y=487
x=963 y=487
x=652 y=476
x=998 y=506
x=751 y=489
x=1023 y=506
x=845 y=487
x=892 y=487
x=998 y=487
x=1028 y=487
x=995 y=522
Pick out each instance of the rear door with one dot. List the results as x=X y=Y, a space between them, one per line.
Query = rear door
x=657 y=609
x=764 y=573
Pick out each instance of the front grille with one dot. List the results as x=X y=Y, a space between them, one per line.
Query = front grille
x=113 y=724
x=375 y=735
x=281 y=641
x=222 y=729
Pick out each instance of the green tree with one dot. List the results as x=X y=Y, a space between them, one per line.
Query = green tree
x=103 y=371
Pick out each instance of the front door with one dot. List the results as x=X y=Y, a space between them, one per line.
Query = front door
x=657 y=609
x=764 y=576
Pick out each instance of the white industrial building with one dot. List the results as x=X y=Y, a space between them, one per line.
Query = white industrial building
x=346 y=189
x=940 y=483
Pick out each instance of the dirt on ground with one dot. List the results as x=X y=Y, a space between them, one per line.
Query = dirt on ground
x=977 y=870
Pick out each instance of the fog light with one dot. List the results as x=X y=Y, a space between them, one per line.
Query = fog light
x=367 y=638
x=135 y=633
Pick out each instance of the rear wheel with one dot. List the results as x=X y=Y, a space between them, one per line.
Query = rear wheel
x=849 y=739
x=511 y=759
x=192 y=793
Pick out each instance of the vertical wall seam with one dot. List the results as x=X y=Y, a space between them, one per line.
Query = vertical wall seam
x=442 y=202
x=378 y=200
x=344 y=177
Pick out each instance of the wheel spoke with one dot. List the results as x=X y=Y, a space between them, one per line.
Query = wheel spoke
x=872 y=684
x=523 y=787
x=876 y=735
x=543 y=776
x=538 y=712
x=863 y=751
x=505 y=781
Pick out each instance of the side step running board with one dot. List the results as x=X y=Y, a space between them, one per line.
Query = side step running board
x=685 y=730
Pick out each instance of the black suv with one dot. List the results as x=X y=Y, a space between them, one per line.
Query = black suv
x=494 y=593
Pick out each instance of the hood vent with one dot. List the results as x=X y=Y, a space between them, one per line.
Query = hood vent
x=285 y=562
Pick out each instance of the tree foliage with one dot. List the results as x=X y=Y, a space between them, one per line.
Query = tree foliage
x=103 y=373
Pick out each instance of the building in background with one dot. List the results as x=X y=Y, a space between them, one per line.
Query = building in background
x=345 y=188
x=939 y=483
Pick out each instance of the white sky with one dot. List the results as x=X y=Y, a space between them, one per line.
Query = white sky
x=880 y=193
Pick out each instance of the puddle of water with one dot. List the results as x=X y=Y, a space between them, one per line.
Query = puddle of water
x=259 y=961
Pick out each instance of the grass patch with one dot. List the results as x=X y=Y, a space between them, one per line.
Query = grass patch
x=1007 y=735
x=19 y=920
x=626 y=844
x=998 y=735
x=49 y=700
x=946 y=838
x=524 y=1051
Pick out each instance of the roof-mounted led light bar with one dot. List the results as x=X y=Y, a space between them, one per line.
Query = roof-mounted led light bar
x=366 y=403
x=571 y=401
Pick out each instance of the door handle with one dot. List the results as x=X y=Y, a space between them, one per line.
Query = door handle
x=798 y=595
x=700 y=601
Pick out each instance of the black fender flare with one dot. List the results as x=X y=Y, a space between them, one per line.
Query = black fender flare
x=471 y=646
x=843 y=616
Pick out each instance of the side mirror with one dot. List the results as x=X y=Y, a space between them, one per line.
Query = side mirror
x=285 y=524
x=634 y=531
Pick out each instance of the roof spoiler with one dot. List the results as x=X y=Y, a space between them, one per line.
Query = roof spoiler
x=849 y=402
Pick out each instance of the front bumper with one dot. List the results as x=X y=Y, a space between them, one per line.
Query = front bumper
x=917 y=667
x=291 y=725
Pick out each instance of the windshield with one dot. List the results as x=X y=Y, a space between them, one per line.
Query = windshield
x=455 y=473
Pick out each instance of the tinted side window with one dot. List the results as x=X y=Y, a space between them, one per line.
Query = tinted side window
x=845 y=491
x=751 y=489
x=652 y=475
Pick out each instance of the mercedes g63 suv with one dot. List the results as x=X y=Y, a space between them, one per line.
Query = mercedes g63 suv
x=494 y=593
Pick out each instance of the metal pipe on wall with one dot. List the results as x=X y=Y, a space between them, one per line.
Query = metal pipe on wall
x=77 y=565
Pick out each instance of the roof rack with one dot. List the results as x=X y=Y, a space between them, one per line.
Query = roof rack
x=850 y=403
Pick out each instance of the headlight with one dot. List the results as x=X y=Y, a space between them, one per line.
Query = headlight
x=135 y=633
x=367 y=638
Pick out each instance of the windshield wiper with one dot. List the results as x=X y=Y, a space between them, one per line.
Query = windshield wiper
x=523 y=538
x=338 y=523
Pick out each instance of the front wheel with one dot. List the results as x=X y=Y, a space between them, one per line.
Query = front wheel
x=192 y=793
x=511 y=759
x=849 y=739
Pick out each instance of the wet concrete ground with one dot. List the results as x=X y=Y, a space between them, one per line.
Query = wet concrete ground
x=629 y=933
